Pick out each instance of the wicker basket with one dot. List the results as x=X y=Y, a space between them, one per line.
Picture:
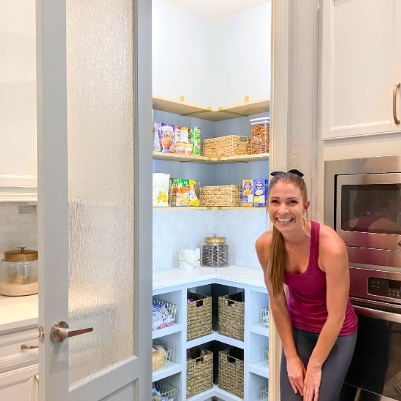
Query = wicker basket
x=225 y=146
x=199 y=316
x=163 y=389
x=221 y=195
x=231 y=315
x=199 y=370
x=231 y=371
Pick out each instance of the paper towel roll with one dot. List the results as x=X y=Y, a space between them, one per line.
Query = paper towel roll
x=189 y=258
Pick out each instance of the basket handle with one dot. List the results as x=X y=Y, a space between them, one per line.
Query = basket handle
x=230 y=302
x=230 y=359
x=199 y=359
x=199 y=303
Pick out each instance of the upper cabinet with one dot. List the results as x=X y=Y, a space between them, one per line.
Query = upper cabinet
x=211 y=65
x=361 y=68
x=17 y=101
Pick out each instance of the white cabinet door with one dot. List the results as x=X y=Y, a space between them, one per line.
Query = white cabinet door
x=358 y=56
x=94 y=199
x=21 y=384
x=17 y=100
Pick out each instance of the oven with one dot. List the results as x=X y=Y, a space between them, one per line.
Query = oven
x=363 y=205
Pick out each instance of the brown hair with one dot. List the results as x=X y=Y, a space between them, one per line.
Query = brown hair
x=278 y=256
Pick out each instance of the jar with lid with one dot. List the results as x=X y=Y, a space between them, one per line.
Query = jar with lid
x=260 y=135
x=19 y=273
x=214 y=252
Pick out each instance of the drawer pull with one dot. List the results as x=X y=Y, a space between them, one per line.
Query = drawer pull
x=396 y=119
x=24 y=346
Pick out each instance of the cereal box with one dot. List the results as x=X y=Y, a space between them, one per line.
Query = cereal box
x=260 y=191
x=247 y=193
x=194 y=189
x=182 y=193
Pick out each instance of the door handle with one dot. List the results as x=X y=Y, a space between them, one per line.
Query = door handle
x=396 y=119
x=60 y=331
x=24 y=346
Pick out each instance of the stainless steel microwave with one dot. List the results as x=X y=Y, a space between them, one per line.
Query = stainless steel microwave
x=363 y=204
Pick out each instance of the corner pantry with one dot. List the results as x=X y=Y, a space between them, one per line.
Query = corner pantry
x=214 y=76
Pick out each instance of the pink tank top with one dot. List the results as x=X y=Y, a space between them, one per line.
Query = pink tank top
x=307 y=294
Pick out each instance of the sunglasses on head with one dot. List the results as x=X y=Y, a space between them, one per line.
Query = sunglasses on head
x=292 y=171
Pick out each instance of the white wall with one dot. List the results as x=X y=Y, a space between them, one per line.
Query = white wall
x=242 y=65
x=211 y=64
x=183 y=53
x=17 y=87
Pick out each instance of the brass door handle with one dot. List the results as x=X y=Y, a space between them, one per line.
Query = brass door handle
x=24 y=346
x=396 y=119
x=60 y=331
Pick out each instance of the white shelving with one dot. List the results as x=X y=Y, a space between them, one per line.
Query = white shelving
x=172 y=285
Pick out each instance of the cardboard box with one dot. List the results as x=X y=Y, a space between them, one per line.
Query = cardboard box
x=247 y=193
x=260 y=192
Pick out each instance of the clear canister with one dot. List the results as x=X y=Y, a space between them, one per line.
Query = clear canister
x=260 y=135
x=19 y=273
x=214 y=252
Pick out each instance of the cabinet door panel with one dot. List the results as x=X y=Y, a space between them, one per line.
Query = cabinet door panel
x=357 y=58
x=19 y=385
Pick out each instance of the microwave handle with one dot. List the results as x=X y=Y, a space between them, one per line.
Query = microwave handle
x=378 y=314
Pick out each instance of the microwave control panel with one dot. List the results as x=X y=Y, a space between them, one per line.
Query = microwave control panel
x=384 y=287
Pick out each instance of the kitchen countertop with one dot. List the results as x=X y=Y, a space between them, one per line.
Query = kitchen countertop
x=165 y=278
x=18 y=312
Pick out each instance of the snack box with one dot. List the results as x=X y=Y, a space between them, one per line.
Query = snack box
x=247 y=193
x=160 y=189
x=260 y=190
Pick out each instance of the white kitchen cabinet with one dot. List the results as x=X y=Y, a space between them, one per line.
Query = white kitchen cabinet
x=19 y=367
x=18 y=101
x=171 y=285
x=361 y=64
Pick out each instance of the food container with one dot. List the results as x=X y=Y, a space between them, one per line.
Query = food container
x=214 y=252
x=19 y=273
x=260 y=135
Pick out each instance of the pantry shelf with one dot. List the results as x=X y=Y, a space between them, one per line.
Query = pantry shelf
x=203 y=159
x=208 y=208
x=211 y=113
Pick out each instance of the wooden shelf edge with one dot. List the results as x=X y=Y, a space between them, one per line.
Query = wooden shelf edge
x=211 y=113
x=202 y=159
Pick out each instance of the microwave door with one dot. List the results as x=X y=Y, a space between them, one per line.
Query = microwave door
x=368 y=210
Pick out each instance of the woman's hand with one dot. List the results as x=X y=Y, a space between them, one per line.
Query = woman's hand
x=296 y=373
x=312 y=381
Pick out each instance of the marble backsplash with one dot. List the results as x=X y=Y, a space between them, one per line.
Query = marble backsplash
x=174 y=229
x=18 y=226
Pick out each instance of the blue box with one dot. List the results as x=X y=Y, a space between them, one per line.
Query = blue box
x=260 y=191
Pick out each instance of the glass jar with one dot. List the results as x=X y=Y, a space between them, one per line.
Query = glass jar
x=260 y=135
x=19 y=273
x=214 y=252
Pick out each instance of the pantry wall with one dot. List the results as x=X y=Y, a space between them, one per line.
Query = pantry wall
x=213 y=66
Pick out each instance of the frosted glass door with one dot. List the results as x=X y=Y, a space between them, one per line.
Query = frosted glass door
x=95 y=270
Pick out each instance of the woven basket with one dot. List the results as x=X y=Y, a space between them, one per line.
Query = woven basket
x=225 y=146
x=199 y=316
x=231 y=371
x=221 y=195
x=231 y=315
x=199 y=370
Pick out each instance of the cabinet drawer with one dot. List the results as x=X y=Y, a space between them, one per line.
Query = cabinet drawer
x=12 y=356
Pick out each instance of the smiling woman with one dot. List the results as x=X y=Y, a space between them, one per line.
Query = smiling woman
x=315 y=320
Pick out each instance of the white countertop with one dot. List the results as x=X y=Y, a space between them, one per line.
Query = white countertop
x=165 y=278
x=18 y=312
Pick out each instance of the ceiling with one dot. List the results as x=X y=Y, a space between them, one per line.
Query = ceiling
x=216 y=10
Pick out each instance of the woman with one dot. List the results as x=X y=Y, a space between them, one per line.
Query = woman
x=316 y=321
